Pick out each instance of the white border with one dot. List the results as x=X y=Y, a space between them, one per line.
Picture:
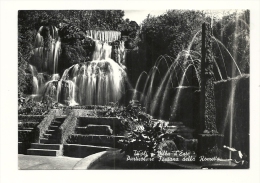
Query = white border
x=8 y=140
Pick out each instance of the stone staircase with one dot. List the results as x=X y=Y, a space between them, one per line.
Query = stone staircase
x=26 y=132
x=45 y=149
x=93 y=135
x=50 y=142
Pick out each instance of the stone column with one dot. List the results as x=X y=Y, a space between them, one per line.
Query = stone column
x=209 y=141
x=208 y=109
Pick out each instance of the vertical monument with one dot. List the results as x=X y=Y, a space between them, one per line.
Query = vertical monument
x=209 y=140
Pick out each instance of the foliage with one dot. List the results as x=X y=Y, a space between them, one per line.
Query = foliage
x=144 y=133
x=129 y=28
x=26 y=36
x=30 y=118
x=169 y=33
x=32 y=20
x=76 y=47
x=29 y=106
x=24 y=125
x=173 y=31
x=93 y=19
x=25 y=83
x=147 y=137
x=129 y=114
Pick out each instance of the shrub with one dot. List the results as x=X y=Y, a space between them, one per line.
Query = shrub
x=24 y=125
x=145 y=137
x=144 y=133
x=30 y=107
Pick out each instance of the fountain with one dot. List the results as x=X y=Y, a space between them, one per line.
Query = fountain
x=197 y=90
x=184 y=90
x=94 y=83
x=35 y=80
x=165 y=85
x=97 y=82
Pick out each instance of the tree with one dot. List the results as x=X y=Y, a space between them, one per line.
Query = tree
x=169 y=33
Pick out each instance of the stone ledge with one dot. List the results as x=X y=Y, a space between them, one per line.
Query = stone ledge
x=81 y=151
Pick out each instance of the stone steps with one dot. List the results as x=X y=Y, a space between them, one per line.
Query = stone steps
x=46 y=146
x=44 y=152
x=47 y=136
x=26 y=132
x=81 y=151
x=49 y=141
x=23 y=146
x=56 y=123
x=93 y=135
x=51 y=127
x=51 y=132
x=51 y=135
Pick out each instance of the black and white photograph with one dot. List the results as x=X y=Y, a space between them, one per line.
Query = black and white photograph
x=133 y=89
x=97 y=90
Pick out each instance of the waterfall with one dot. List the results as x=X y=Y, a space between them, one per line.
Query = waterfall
x=97 y=82
x=45 y=58
x=56 y=56
x=35 y=80
x=105 y=36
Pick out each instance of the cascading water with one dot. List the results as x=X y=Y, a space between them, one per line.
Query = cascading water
x=93 y=83
x=97 y=82
x=165 y=84
x=44 y=57
x=46 y=50
x=179 y=97
x=104 y=36
x=35 y=80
